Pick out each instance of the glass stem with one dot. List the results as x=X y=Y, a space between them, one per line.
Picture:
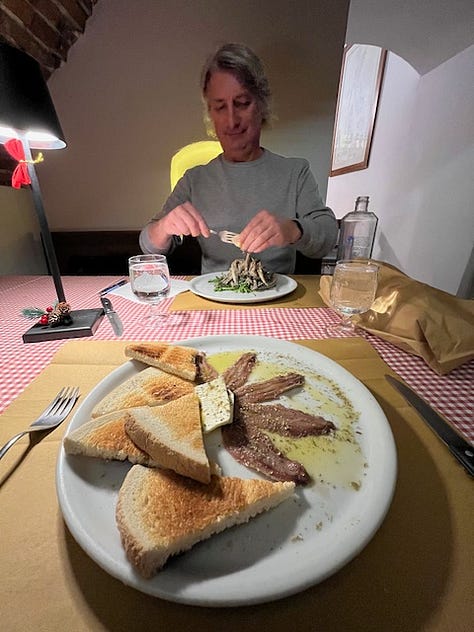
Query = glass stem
x=347 y=322
x=155 y=311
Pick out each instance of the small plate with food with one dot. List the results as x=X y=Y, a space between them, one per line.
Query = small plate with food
x=226 y=470
x=246 y=281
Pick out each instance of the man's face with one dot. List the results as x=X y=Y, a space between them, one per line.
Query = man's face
x=236 y=117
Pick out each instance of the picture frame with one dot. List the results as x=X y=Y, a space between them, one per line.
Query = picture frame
x=360 y=85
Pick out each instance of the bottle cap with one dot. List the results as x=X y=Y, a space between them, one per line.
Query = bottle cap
x=362 y=202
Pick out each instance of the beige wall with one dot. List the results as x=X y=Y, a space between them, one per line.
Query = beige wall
x=128 y=97
x=20 y=243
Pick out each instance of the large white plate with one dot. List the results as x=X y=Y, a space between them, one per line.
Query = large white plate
x=202 y=287
x=280 y=552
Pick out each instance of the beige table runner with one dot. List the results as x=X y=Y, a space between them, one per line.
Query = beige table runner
x=415 y=574
x=305 y=295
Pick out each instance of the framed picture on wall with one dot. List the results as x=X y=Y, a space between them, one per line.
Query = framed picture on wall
x=359 y=90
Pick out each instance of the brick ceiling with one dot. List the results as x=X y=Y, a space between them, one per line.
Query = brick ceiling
x=46 y=30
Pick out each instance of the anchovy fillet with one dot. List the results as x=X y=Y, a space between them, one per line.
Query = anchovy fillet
x=269 y=389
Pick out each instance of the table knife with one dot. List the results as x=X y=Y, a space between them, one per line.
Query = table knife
x=112 y=316
x=459 y=447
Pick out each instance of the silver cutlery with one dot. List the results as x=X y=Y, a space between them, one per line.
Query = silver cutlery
x=51 y=417
x=112 y=315
x=226 y=236
x=114 y=286
x=459 y=447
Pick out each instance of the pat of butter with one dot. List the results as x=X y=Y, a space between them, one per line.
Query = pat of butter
x=217 y=404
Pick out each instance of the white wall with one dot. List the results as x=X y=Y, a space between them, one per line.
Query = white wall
x=442 y=175
x=420 y=171
x=384 y=179
x=425 y=33
x=128 y=97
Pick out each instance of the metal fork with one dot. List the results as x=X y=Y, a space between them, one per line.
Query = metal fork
x=226 y=236
x=51 y=417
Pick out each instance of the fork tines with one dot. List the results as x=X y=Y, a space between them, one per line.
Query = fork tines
x=66 y=397
x=227 y=236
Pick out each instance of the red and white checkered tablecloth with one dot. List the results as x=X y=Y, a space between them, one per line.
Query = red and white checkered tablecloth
x=452 y=394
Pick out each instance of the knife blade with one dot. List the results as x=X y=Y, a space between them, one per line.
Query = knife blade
x=112 y=316
x=459 y=447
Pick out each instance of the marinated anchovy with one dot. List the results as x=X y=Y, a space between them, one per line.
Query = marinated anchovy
x=206 y=372
x=269 y=389
x=252 y=448
x=288 y=422
x=237 y=374
x=245 y=275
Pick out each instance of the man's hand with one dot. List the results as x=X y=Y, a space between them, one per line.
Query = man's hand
x=184 y=219
x=266 y=230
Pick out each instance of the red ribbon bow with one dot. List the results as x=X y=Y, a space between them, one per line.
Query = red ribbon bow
x=20 y=174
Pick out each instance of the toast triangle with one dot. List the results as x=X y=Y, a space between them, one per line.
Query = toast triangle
x=150 y=387
x=160 y=514
x=172 y=435
x=178 y=360
x=105 y=438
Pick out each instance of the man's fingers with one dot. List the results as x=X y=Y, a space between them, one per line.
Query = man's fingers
x=185 y=219
x=257 y=241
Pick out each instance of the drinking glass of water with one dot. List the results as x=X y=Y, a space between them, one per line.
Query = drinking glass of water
x=353 y=289
x=150 y=282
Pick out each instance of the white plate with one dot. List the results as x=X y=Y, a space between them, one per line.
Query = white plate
x=280 y=552
x=202 y=287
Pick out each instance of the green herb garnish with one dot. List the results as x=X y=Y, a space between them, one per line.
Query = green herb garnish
x=221 y=286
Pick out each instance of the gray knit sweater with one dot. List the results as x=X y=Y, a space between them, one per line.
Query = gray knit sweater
x=229 y=194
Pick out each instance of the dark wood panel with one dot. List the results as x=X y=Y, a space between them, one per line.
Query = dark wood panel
x=107 y=252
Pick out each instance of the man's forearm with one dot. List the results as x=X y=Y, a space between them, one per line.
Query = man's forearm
x=153 y=239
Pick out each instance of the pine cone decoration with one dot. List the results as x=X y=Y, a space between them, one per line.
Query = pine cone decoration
x=60 y=315
x=51 y=316
x=54 y=319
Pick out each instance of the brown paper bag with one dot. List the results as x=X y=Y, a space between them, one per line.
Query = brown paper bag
x=418 y=318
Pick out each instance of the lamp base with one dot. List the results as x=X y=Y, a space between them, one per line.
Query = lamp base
x=84 y=323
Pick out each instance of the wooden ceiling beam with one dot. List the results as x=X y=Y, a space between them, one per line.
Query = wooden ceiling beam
x=46 y=30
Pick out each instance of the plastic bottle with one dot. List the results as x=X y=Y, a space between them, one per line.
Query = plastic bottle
x=357 y=234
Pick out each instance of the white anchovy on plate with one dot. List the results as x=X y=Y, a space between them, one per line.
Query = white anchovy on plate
x=245 y=275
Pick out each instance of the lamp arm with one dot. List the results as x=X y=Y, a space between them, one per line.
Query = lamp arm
x=43 y=222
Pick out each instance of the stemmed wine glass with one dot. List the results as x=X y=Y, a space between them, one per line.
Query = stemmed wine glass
x=353 y=289
x=150 y=282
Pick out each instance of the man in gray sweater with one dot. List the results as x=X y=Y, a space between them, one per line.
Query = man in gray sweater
x=273 y=202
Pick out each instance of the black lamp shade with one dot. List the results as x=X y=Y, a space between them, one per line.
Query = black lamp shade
x=27 y=113
x=25 y=103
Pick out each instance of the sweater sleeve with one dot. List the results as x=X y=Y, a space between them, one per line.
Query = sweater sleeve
x=179 y=195
x=317 y=220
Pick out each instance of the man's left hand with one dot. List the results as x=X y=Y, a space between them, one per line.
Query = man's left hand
x=266 y=230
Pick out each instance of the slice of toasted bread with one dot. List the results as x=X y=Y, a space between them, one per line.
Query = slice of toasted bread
x=105 y=438
x=160 y=514
x=175 y=359
x=150 y=387
x=172 y=435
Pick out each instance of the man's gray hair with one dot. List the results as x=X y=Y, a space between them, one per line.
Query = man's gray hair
x=247 y=68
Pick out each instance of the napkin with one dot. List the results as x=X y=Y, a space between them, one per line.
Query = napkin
x=125 y=291
x=418 y=318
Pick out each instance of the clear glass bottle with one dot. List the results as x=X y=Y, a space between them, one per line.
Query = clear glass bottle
x=357 y=234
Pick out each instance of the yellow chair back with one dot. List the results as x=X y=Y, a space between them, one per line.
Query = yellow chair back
x=199 y=153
